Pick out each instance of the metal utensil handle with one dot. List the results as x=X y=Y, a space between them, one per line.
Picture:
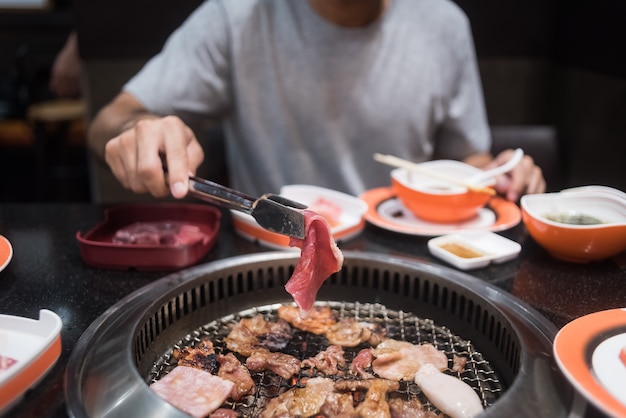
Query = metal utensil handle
x=220 y=195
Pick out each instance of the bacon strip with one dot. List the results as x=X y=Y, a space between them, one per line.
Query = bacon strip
x=320 y=257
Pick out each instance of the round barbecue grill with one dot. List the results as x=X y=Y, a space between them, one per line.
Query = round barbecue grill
x=507 y=343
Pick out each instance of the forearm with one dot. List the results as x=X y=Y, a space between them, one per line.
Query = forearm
x=118 y=116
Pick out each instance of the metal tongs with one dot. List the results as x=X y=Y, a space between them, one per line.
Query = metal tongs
x=273 y=212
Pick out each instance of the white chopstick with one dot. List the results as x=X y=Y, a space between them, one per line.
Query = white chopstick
x=401 y=163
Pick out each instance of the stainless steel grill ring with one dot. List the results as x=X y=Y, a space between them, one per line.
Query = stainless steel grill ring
x=110 y=367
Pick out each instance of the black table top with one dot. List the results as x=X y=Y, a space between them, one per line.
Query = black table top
x=47 y=272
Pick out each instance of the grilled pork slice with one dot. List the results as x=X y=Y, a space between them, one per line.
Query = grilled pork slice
x=319 y=319
x=327 y=361
x=450 y=395
x=319 y=258
x=202 y=356
x=251 y=334
x=412 y=408
x=375 y=402
x=400 y=360
x=300 y=402
x=232 y=369
x=349 y=333
x=196 y=392
x=282 y=364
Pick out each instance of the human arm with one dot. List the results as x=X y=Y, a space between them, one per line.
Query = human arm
x=133 y=141
x=66 y=70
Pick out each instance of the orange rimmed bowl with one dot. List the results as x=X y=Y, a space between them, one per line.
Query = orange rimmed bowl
x=556 y=222
x=436 y=200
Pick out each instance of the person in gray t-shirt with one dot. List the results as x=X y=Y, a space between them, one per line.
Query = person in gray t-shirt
x=307 y=91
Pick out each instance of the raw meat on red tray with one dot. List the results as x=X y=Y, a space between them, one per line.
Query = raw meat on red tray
x=320 y=257
x=192 y=390
x=159 y=233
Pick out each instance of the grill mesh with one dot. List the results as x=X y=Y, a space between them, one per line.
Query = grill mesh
x=399 y=325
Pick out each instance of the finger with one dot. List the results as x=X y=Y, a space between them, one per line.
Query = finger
x=149 y=146
x=178 y=144
x=521 y=175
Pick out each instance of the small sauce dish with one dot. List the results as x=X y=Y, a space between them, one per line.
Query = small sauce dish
x=473 y=249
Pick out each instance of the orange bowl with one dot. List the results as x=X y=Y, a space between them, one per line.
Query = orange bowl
x=436 y=200
x=560 y=223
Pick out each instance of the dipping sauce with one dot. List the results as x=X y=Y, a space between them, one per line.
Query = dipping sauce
x=574 y=219
x=460 y=250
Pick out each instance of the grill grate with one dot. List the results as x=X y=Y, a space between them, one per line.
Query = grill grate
x=399 y=325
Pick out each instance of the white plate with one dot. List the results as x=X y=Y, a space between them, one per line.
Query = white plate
x=34 y=347
x=387 y=212
x=343 y=211
x=588 y=352
x=473 y=249
x=6 y=252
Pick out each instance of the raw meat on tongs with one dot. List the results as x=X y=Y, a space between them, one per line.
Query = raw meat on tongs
x=319 y=259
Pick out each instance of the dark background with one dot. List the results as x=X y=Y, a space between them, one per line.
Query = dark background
x=552 y=63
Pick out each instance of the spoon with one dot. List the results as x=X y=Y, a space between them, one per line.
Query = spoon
x=496 y=171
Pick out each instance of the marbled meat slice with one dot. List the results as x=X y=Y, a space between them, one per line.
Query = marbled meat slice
x=250 y=334
x=282 y=364
x=202 y=356
x=196 y=392
x=320 y=257
x=300 y=402
x=318 y=320
x=232 y=369
x=400 y=360
x=159 y=233
x=327 y=361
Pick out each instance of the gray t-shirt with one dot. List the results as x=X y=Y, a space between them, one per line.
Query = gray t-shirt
x=304 y=101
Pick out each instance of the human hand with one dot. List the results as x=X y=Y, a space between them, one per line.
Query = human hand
x=137 y=155
x=525 y=178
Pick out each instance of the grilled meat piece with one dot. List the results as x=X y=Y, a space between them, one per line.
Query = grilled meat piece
x=349 y=333
x=232 y=369
x=361 y=362
x=400 y=360
x=201 y=356
x=318 y=320
x=327 y=361
x=251 y=334
x=283 y=365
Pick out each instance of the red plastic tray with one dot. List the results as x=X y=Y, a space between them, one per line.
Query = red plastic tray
x=98 y=250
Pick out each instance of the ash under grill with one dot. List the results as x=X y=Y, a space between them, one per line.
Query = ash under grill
x=507 y=343
x=398 y=325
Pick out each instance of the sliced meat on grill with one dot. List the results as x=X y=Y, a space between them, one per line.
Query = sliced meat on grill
x=225 y=413
x=159 y=233
x=349 y=333
x=412 y=408
x=202 y=356
x=300 y=402
x=361 y=362
x=250 y=334
x=232 y=369
x=350 y=385
x=320 y=257
x=194 y=391
x=458 y=363
x=400 y=360
x=375 y=403
x=338 y=405
x=282 y=364
x=318 y=320
x=327 y=361
x=450 y=395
